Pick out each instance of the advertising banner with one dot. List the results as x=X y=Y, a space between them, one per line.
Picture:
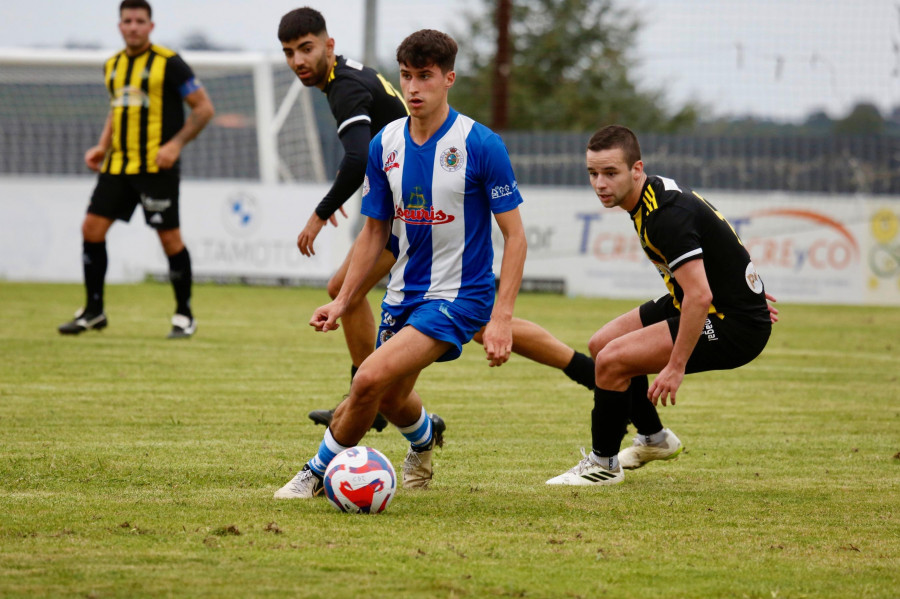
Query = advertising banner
x=814 y=248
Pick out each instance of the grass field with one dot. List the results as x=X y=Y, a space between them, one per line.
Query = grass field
x=133 y=466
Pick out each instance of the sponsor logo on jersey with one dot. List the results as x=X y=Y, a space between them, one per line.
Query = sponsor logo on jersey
x=130 y=96
x=391 y=161
x=754 y=282
x=501 y=191
x=422 y=216
x=416 y=213
x=452 y=159
x=709 y=331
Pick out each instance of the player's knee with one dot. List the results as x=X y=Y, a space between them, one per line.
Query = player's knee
x=366 y=386
x=171 y=241
x=334 y=286
x=608 y=368
x=597 y=343
x=92 y=232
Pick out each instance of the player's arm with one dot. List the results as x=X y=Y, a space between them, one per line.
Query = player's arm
x=202 y=111
x=95 y=156
x=367 y=249
x=691 y=276
x=498 y=332
x=355 y=140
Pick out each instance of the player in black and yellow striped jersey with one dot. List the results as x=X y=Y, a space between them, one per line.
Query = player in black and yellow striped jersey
x=715 y=317
x=137 y=157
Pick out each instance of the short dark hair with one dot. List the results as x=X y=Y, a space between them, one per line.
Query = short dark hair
x=428 y=47
x=617 y=136
x=300 y=22
x=136 y=4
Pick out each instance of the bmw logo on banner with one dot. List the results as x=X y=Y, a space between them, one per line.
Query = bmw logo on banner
x=241 y=214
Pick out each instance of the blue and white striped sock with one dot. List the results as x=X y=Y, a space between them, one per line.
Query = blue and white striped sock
x=419 y=434
x=327 y=450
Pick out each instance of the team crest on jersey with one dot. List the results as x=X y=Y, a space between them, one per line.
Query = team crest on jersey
x=452 y=159
x=391 y=161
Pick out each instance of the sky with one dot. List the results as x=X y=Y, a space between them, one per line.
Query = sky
x=778 y=59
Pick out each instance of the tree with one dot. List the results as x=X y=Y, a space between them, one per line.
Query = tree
x=571 y=69
x=864 y=119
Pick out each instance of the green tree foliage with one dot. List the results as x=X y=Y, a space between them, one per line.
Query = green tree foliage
x=571 y=69
x=864 y=119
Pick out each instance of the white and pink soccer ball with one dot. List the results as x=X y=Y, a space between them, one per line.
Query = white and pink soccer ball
x=360 y=480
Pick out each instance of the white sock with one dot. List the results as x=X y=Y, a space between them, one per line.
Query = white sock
x=605 y=462
x=655 y=438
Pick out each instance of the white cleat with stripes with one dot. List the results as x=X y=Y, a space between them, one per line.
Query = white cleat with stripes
x=587 y=472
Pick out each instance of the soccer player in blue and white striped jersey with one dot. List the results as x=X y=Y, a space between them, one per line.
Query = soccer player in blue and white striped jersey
x=433 y=182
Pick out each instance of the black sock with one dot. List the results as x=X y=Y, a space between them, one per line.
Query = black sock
x=182 y=278
x=608 y=421
x=353 y=369
x=581 y=370
x=95 y=261
x=643 y=412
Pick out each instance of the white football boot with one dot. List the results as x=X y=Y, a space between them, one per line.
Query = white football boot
x=182 y=327
x=305 y=485
x=417 y=467
x=640 y=453
x=587 y=472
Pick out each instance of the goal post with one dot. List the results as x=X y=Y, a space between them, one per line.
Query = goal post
x=53 y=105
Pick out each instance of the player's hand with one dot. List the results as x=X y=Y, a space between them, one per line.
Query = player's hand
x=665 y=385
x=308 y=235
x=497 y=340
x=94 y=158
x=168 y=154
x=333 y=219
x=773 y=311
x=325 y=318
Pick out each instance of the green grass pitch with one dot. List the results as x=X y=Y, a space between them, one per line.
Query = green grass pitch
x=134 y=466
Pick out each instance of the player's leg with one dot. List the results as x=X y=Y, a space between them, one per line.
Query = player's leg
x=112 y=199
x=184 y=324
x=409 y=338
x=387 y=375
x=619 y=361
x=93 y=232
x=358 y=324
x=159 y=198
x=652 y=441
x=536 y=343
x=358 y=321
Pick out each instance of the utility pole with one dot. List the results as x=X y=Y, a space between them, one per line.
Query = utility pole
x=370 y=33
x=502 y=68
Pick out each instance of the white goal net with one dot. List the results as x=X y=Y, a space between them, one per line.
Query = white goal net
x=53 y=105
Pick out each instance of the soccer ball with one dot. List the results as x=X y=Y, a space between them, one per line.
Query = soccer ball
x=360 y=480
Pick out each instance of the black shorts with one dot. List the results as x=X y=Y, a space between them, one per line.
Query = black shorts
x=116 y=197
x=725 y=343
